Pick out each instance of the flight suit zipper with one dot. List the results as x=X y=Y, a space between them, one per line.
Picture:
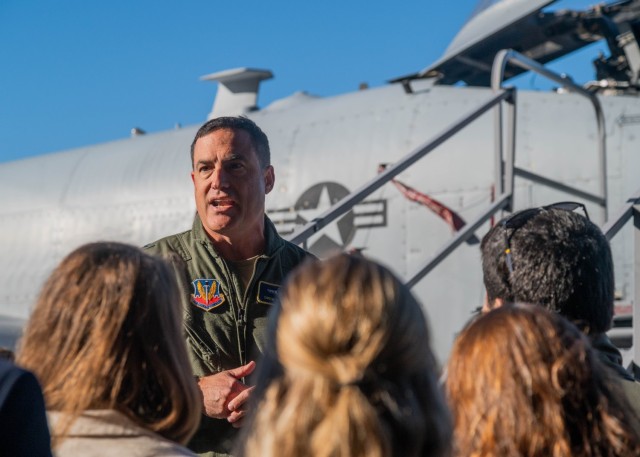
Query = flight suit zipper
x=243 y=312
x=238 y=310
x=241 y=324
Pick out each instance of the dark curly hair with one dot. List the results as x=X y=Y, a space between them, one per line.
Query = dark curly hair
x=561 y=260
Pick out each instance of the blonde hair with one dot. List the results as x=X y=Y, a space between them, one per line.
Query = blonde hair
x=524 y=381
x=106 y=333
x=352 y=373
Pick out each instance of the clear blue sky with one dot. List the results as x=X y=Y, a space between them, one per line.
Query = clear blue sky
x=78 y=72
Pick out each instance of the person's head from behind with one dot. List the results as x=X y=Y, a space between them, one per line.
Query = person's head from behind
x=558 y=259
x=106 y=334
x=352 y=373
x=231 y=174
x=522 y=380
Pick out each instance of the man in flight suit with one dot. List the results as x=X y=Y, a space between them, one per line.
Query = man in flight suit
x=234 y=263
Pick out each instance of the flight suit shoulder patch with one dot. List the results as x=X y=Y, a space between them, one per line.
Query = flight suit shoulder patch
x=206 y=294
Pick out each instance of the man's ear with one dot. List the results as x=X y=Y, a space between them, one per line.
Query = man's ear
x=269 y=179
x=489 y=305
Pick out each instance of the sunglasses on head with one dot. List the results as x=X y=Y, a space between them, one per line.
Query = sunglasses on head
x=520 y=219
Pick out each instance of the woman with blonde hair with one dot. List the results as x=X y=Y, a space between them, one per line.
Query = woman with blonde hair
x=105 y=341
x=351 y=372
x=523 y=381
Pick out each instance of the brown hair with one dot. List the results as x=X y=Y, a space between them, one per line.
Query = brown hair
x=106 y=334
x=524 y=381
x=352 y=373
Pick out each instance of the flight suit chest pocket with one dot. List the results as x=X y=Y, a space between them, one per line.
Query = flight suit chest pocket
x=267 y=293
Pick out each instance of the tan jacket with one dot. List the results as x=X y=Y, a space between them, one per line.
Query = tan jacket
x=108 y=433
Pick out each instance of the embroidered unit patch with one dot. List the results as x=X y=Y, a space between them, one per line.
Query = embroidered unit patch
x=267 y=293
x=206 y=294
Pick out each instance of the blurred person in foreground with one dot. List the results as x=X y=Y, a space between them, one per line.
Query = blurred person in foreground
x=23 y=423
x=555 y=257
x=523 y=381
x=350 y=371
x=105 y=341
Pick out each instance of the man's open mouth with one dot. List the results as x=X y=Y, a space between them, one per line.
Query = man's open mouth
x=221 y=202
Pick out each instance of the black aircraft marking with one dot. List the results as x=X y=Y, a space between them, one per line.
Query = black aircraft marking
x=316 y=200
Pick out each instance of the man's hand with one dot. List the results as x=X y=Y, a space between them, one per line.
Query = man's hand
x=224 y=395
x=236 y=407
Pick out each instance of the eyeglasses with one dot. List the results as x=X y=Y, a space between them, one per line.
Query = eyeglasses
x=520 y=219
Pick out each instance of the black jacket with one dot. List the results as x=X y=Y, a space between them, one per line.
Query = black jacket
x=23 y=423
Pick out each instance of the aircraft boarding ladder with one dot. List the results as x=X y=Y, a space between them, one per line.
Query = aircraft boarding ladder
x=505 y=172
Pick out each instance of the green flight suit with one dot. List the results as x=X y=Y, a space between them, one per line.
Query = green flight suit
x=223 y=329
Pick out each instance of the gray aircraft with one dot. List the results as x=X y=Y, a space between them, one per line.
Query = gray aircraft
x=352 y=171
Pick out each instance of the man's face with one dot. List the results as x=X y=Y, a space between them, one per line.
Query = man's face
x=230 y=185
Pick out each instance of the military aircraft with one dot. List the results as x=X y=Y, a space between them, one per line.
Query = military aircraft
x=351 y=171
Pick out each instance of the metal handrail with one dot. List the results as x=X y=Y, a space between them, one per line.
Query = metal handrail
x=348 y=202
x=506 y=169
x=461 y=236
x=628 y=212
x=509 y=56
x=612 y=227
x=579 y=193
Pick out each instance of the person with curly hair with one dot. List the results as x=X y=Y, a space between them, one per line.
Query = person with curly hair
x=524 y=381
